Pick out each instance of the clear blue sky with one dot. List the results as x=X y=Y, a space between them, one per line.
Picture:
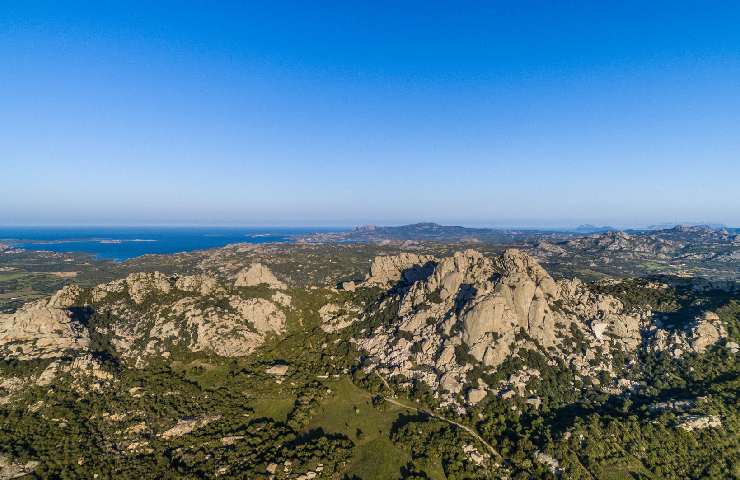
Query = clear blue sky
x=343 y=112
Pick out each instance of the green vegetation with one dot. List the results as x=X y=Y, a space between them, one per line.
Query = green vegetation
x=329 y=416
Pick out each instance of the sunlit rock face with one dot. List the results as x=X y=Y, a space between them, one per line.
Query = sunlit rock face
x=42 y=329
x=258 y=274
x=388 y=270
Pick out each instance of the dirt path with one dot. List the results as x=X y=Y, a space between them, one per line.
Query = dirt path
x=472 y=432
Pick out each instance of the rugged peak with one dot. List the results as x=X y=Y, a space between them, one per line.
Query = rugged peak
x=41 y=330
x=468 y=267
x=258 y=274
x=202 y=284
x=519 y=267
x=65 y=298
x=142 y=284
x=492 y=308
x=389 y=269
x=515 y=260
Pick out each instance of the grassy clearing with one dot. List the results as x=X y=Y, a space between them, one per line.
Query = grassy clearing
x=275 y=406
x=4 y=277
x=652 y=266
x=623 y=469
x=349 y=410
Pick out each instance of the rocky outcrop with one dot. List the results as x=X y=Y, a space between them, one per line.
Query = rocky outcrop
x=387 y=270
x=142 y=285
x=258 y=274
x=146 y=315
x=277 y=370
x=699 y=422
x=187 y=425
x=282 y=299
x=200 y=284
x=547 y=248
x=86 y=373
x=10 y=469
x=622 y=242
x=706 y=330
x=264 y=315
x=519 y=301
x=101 y=292
x=66 y=297
x=42 y=330
x=335 y=317
x=234 y=327
x=493 y=308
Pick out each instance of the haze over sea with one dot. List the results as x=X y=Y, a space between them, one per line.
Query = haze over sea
x=122 y=243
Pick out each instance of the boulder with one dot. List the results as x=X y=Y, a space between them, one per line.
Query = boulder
x=476 y=395
x=706 y=330
x=39 y=330
x=187 y=425
x=387 y=270
x=258 y=274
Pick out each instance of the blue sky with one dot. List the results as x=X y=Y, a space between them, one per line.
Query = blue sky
x=342 y=113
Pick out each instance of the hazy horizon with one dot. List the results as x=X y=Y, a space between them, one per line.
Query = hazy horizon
x=361 y=224
x=255 y=113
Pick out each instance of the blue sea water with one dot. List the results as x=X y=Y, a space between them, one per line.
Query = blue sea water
x=122 y=243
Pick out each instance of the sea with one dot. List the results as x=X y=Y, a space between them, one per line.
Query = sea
x=123 y=243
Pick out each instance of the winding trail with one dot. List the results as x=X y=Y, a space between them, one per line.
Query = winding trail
x=472 y=432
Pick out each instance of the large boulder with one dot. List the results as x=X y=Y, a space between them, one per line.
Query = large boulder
x=389 y=269
x=520 y=298
x=706 y=330
x=41 y=330
x=258 y=274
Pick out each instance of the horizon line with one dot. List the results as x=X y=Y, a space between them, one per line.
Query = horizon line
x=357 y=225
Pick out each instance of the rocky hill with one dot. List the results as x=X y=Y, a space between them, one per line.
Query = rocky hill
x=425 y=232
x=472 y=313
x=685 y=251
x=147 y=315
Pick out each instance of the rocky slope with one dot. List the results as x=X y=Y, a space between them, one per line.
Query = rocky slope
x=146 y=315
x=681 y=242
x=471 y=312
x=42 y=329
